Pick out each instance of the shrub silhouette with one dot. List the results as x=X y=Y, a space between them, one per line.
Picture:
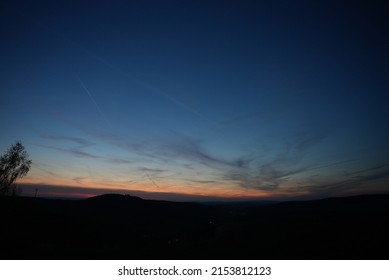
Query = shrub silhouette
x=13 y=164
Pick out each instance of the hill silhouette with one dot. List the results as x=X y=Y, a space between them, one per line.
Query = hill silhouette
x=127 y=227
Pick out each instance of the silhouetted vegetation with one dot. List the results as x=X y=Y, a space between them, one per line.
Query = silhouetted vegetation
x=13 y=164
x=127 y=227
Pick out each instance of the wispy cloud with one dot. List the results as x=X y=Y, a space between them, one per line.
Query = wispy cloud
x=183 y=149
x=236 y=119
x=337 y=163
x=365 y=181
x=119 y=161
x=366 y=170
x=44 y=167
x=81 y=141
x=192 y=151
x=72 y=151
x=204 y=181
x=77 y=150
x=270 y=175
x=78 y=153
x=284 y=168
x=79 y=179
x=152 y=170
x=254 y=179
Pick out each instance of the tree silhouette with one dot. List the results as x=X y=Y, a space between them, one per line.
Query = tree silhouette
x=13 y=164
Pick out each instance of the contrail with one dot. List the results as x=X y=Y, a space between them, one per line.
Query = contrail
x=145 y=84
x=93 y=101
x=155 y=184
x=92 y=55
x=169 y=97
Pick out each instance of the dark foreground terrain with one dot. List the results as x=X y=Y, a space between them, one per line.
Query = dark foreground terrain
x=126 y=227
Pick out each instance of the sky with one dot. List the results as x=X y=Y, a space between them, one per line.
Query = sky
x=197 y=100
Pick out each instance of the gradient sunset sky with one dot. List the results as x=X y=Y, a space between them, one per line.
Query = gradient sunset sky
x=197 y=100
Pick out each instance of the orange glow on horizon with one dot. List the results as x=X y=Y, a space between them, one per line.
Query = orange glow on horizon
x=217 y=191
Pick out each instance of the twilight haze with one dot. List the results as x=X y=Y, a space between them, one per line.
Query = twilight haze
x=197 y=100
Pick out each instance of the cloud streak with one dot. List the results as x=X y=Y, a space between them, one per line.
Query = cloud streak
x=77 y=140
x=153 y=170
x=119 y=161
x=236 y=120
x=72 y=151
x=270 y=175
x=81 y=144
x=79 y=179
x=284 y=172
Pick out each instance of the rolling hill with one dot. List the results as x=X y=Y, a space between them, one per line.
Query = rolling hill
x=126 y=227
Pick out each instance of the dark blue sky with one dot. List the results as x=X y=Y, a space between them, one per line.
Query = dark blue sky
x=240 y=99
